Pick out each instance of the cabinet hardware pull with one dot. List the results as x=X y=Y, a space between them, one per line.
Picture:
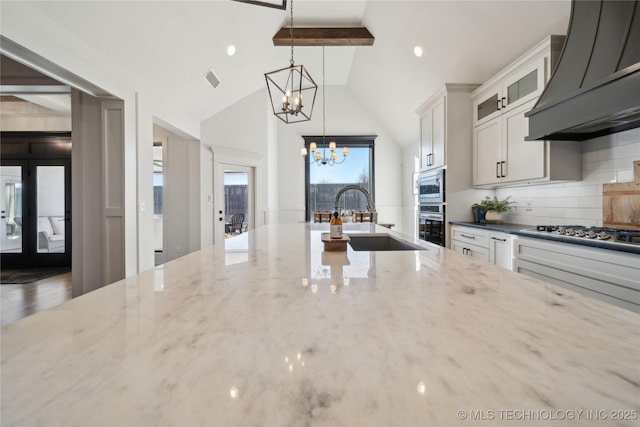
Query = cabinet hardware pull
x=503 y=166
x=498 y=104
x=502 y=240
x=503 y=98
x=497 y=169
x=468 y=237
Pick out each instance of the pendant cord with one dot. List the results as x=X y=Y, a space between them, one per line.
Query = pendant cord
x=324 y=103
x=291 y=33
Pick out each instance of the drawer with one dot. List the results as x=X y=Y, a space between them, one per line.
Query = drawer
x=604 y=274
x=474 y=251
x=470 y=235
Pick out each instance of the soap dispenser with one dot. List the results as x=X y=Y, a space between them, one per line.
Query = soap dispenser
x=335 y=227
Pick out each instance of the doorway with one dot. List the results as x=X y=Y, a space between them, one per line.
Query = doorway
x=239 y=211
x=35 y=202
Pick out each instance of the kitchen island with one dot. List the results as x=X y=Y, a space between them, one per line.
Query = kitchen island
x=279 y=332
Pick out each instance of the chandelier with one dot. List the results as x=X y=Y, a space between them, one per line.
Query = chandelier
x=316 y=157
x=286 y=87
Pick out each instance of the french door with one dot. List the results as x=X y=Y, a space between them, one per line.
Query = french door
x=35 y=220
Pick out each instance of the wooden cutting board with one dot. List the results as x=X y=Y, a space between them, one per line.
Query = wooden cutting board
x=621 y=203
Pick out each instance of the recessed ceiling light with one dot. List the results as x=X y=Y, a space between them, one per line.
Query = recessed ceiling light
x=417 y=51
x=231 y=50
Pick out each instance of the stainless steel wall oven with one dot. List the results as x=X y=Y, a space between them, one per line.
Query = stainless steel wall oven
x=431 y=223
x=431 y=213
x=431 y=184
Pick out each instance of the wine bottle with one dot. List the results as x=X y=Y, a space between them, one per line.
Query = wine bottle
x=336 y=227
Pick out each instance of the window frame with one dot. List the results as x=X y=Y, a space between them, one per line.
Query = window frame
x=350 y=141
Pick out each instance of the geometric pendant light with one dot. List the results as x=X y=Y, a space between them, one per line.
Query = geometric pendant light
x=292 y=90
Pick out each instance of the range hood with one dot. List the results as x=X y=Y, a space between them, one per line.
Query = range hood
x=595 y=87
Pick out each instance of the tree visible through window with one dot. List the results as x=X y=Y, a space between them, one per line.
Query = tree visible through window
x=323 y=182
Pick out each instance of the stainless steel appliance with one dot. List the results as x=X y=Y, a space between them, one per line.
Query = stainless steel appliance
x=431 y=186
x=611 y=238
x=431 y=223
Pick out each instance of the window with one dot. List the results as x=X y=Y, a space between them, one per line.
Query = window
x=158 y=185
x=323 y=182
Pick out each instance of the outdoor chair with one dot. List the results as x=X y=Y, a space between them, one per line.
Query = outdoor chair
x=237 y=222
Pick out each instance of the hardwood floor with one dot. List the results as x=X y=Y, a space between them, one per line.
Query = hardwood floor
x=18 y=301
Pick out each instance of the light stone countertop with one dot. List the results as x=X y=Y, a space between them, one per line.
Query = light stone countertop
x=273 y=331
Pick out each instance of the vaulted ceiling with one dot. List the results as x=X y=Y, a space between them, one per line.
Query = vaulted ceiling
x=166 y=47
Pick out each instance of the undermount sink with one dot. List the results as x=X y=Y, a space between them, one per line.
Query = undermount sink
x=381 y=242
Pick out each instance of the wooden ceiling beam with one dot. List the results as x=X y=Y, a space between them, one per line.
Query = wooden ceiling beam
x=339 y=36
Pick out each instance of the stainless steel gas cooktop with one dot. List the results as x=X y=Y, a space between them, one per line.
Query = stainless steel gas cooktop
x=613 y=238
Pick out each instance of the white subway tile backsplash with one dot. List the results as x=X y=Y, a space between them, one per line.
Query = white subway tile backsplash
x=627 y=150
x=597 y=177
x=559 y=212
x=590 y=202
x=575 y=191
x=625 y=162
x=584 y=213
x=605 y=159
x=607 y=165
x=566 y=202
x=625 y=175
x=629 y=137
x=598 y=143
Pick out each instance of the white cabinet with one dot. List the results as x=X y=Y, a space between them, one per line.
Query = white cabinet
x=522 y=85
x=432 y=134
x=446 y=124
x=471 y=242
x=500 y=250
x=607 y=275
x=487 y=152
x=473 y=251
x=501 y=154
x=486 y=245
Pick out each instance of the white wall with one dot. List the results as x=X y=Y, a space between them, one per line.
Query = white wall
x=34 y=123
x=409 y=208
x=144 y=157
x=195 y=198
x=344 y=116
x=206 y=191
x=604 y=160
x=247 y=130
x=182 y=203
x=240 y=135
x=27 y=26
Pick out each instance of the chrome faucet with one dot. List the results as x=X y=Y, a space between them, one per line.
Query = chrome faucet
x=370 y=206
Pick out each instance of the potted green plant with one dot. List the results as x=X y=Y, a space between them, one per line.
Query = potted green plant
x=493 y=208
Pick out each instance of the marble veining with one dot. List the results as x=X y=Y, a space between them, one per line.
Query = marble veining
x=275 y=331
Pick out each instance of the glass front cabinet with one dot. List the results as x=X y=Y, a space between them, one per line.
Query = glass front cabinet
x=501 y=154
x=521 y=86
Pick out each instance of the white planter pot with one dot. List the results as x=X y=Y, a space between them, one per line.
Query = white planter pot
x=493 y=216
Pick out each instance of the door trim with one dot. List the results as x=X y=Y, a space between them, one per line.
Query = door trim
x=30 y=149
